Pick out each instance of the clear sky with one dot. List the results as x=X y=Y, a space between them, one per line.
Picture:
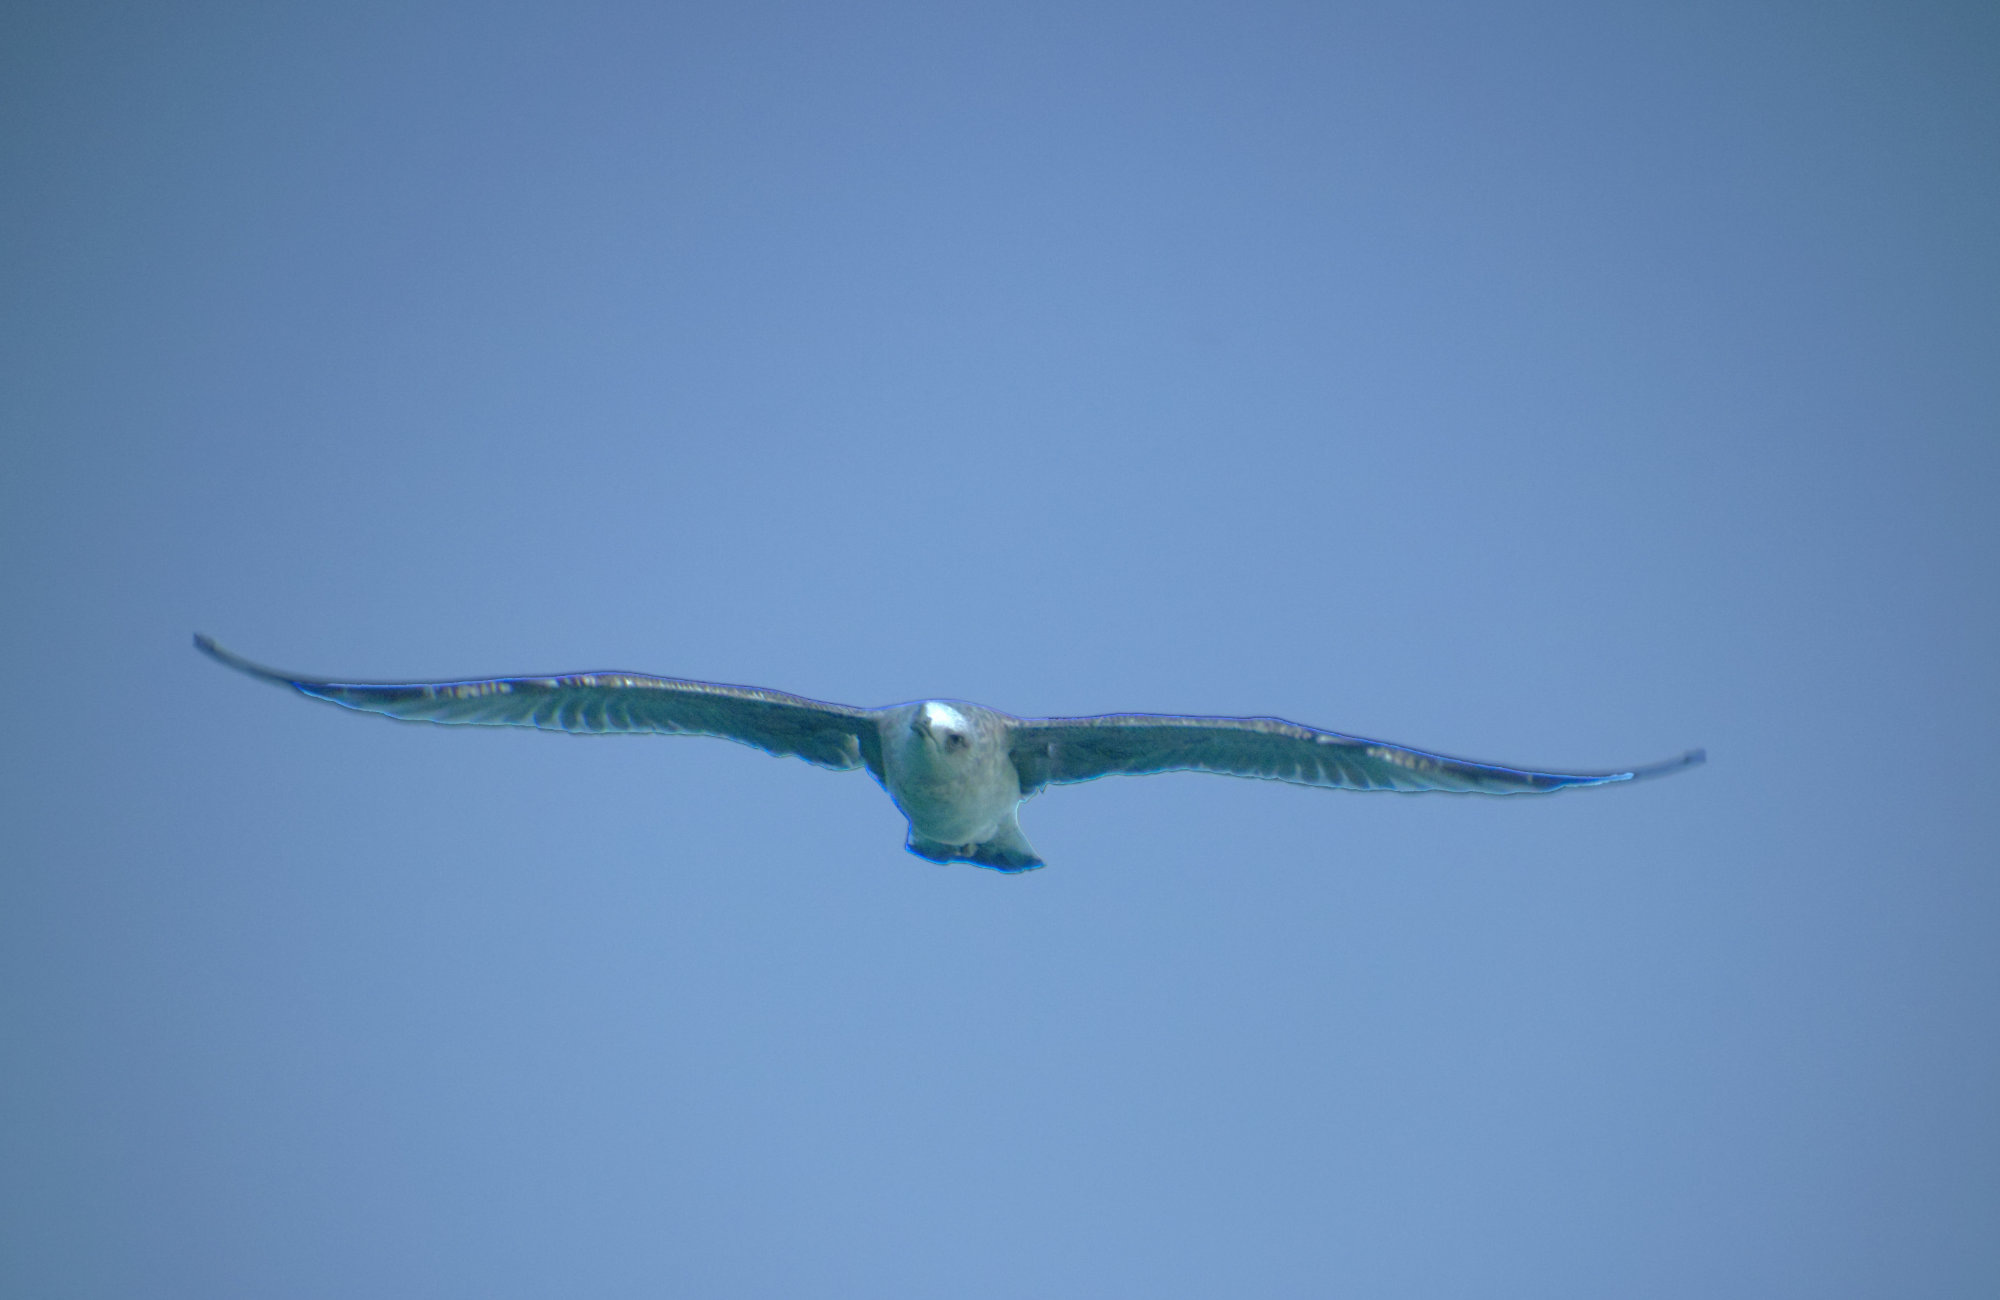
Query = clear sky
x=1561 y=384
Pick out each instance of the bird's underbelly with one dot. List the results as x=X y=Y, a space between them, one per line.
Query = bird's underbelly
x=958 y=809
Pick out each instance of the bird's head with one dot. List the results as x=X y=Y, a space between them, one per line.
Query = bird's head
x=942 y=728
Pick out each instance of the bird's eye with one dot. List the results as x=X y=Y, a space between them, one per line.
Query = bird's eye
x=954 y=741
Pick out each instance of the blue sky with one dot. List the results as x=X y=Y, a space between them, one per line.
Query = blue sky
x=1553 y=384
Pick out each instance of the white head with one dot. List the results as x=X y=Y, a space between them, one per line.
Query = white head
x=943 y=727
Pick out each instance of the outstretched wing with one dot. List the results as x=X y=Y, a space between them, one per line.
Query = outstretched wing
x=1057 y=751
x=830 y=735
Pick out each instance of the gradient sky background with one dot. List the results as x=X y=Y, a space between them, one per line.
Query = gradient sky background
x=1561 y=384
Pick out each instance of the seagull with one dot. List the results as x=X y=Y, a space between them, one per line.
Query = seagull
x=958 y=772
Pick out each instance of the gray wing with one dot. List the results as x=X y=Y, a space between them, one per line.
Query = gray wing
x=1057 y=751
x=830 y=735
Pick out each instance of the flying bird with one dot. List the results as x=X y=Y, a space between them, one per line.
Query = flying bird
x=959 y=772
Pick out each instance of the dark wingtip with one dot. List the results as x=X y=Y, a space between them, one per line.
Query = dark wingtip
x=207 y=645
x=1693 y=758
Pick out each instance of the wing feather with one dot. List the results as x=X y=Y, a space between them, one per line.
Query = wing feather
x=1058 y=751
x=609 y=703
